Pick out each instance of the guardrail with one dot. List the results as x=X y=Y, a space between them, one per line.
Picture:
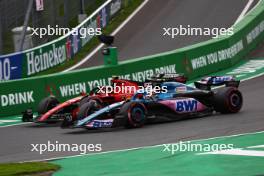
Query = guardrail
x=32 y=61
x=197 y=60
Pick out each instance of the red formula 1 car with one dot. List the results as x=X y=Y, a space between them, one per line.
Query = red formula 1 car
x=50 y=110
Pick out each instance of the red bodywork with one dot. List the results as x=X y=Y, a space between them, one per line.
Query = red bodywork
x=102 y=98
x=117 y=97
x=54 y=110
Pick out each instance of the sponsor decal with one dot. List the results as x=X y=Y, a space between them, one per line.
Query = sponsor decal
x=45 y=59
x=220 y=79
x=115 y=7
x=11 y=67
x=80 y=87
x=103 y=19
x=92 y=25
x=218 y=56
x=72 y=45
x=255 y=32
x=147 y=74
x=17 y=98
x=186 y=105
x=5 y=69
x=181 y=89
x=73 y=89
x=100 y=123
x=75 y=43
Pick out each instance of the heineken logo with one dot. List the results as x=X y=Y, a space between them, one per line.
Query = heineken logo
x=45 y=60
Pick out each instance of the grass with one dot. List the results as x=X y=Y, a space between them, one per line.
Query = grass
x=113 y=24
x=31 y=168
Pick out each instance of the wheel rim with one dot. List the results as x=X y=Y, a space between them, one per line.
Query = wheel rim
x=137 y=114
x=235 y=100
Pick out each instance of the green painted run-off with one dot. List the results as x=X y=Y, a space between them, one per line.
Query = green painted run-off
x=153 y=161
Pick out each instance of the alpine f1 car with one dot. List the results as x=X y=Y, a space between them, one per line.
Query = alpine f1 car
x=179 y=102
x=51 y=110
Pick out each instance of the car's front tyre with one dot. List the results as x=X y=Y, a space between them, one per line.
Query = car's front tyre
x=134 y=113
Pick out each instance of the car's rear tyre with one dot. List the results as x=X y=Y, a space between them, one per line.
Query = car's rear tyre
x=227 y=100
x=88 y=108
x=134 y=113
x=47 y=104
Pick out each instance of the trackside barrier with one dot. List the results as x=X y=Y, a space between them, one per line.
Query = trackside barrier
x=196 y=60
x=35 y=60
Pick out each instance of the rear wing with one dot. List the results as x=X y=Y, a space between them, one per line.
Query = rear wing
x=207 y=82
x=168 y=77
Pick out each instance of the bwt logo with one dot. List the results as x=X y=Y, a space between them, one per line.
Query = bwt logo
x=188 y=105
x=222 y=79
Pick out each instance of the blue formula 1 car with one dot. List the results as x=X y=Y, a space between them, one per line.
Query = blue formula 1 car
x=179 y=102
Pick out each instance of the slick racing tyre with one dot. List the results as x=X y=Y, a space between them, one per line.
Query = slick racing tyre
x=228 y=100
x=88 y=108
x=47 y=104
x=134 y=113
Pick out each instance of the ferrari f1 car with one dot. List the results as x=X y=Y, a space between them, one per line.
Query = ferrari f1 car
x=180 y=102
x=51 y=110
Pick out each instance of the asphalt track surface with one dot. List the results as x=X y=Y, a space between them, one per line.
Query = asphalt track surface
x=143 y=35
x=16 y=140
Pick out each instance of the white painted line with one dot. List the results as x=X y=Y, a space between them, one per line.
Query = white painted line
x=243 y=13
x=144 y=147
x=18 y=124
x=113 y=33
x=237 y=152
x=9 y=121
x=258 y=146
x=254 y=7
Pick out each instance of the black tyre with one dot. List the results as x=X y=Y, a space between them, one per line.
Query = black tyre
x=88 y=108
x=134 y=113
x=84 y=100
x=227 y=100
x=47 y=104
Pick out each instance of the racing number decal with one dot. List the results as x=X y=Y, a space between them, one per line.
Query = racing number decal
x=189 y=105
x=5 y=69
